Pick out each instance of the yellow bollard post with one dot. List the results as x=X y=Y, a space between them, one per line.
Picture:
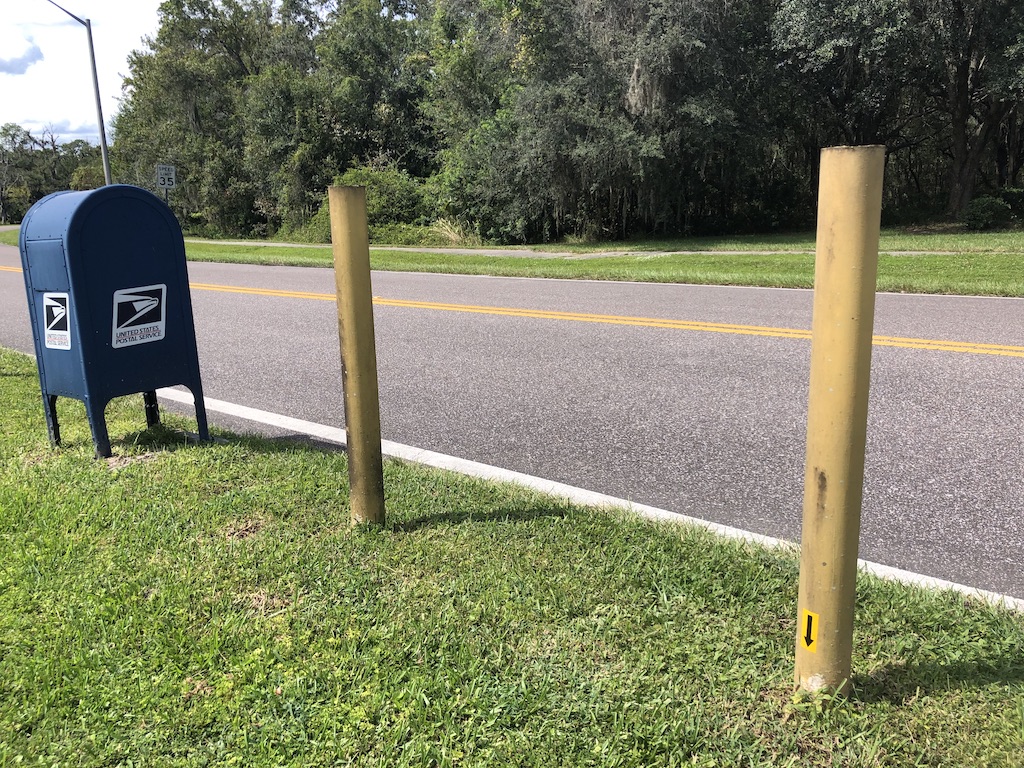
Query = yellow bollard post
x=846 y=266
x=351 y=245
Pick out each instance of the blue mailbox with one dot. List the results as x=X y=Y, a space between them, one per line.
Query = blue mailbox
x=109 y=299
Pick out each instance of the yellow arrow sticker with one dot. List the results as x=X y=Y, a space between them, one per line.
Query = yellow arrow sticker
x=809 y=631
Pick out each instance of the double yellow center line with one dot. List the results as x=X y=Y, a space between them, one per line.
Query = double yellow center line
x=963 y=347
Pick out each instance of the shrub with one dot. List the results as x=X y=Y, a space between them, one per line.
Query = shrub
x=986 y=212
x=316 y=230
x=392 y=195
x=453 y=232
x=405 y=234
x=1013 y=197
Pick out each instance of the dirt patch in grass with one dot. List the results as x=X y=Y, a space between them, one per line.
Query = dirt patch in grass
x=243 y=529
x=262 y=602
x=120 y=462
x=196 y=688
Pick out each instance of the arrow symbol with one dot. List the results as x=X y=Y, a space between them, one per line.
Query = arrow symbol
x=810 y=636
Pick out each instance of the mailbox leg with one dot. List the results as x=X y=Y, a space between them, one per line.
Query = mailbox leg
x=95 y=411
x=152 y=409
x=201 y=425
x=50 y=408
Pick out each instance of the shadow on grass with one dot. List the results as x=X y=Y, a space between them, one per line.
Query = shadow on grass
x=901 y=683
x=165 y=439
x=501 y=515
x=158 y=438
x=169 y=439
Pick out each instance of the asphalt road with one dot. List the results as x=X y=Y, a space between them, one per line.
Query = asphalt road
x=702 y=420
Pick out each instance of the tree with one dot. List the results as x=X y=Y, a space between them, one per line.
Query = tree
x=15 y=169
x=609 y=119
x=910 y=73
x=538 y=119
x=32 y=167
x=261 y=104
x=976 y=59
x=857 y=57
x=180 y=107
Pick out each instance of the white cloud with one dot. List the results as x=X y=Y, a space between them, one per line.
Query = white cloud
x=18 y=65
x=55 y=88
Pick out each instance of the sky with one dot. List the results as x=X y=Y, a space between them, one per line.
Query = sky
x=45 y=76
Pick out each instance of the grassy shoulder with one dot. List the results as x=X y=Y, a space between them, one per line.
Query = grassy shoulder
x=983 y=272
x=185 y=605
x=9 y=237
x=951 y=239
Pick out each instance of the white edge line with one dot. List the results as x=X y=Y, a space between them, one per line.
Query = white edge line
x=571 y=493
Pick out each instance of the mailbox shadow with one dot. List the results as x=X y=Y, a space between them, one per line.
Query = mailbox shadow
x=163 y=438
x=901 y=683
x=160 y=438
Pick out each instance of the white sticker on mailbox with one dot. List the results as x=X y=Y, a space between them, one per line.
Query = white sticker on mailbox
x=56 y=323
x=140 y=315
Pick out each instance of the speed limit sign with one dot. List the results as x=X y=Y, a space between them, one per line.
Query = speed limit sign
x=165 y=178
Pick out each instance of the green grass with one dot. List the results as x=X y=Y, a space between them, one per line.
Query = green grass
x=947 y=239
x=974 y=273
x=193 y=605
x=292 y=256
x=1009 y=241
x=9 y=237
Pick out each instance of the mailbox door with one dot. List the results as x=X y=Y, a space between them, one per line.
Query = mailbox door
x=52 y=308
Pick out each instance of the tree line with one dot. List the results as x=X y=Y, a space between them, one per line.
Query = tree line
x=535 y=120
x=33 y=166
